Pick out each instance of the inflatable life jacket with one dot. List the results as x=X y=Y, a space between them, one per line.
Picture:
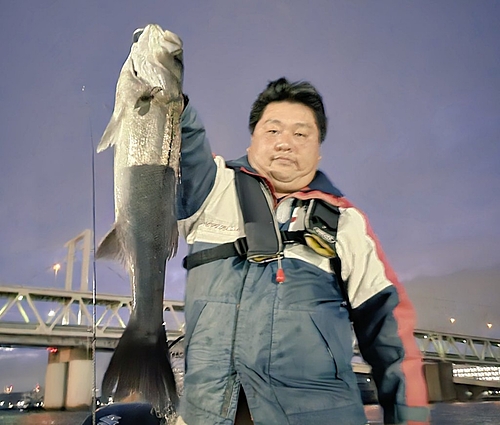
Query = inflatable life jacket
x=264 y=241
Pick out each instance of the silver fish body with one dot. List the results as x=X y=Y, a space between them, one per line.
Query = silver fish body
x=146 y=135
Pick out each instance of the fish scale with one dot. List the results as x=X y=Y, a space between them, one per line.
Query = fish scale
x=141 y=131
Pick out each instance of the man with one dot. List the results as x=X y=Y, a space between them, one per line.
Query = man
x=268 y=322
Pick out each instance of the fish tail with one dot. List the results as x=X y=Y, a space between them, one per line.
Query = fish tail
x=140 y=367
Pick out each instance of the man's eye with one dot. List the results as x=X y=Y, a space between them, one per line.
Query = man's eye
x=272 y=131
x=300 y=134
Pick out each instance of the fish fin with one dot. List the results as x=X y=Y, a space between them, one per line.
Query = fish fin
x=141 y=365
x=109 y=137
x=173 y=243
x=142 y=106
x=143 y=103
x=171 y=226
x=110 y=247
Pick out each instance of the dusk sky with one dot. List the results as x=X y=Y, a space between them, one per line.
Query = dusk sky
x=412 y=92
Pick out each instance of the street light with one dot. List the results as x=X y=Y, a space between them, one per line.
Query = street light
x=56 y=267
x=490 y=325
x=452 y=320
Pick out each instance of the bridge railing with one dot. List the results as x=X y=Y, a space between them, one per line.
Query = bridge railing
x=44 y=316
x=458 y=348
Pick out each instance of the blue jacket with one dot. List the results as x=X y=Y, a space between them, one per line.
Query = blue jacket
x=288 y=345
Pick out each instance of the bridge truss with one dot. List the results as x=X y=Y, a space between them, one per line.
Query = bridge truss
x=46 y=317
x=458 y=348
x=53 y=317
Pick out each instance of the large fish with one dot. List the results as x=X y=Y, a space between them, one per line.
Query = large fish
x=146 y=135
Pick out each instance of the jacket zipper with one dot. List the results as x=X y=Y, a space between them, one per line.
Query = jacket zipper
x=228 y=393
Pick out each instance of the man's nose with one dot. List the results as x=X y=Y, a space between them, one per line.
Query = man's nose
x=284 y=143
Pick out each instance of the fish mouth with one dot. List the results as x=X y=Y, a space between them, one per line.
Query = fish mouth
x=170 y=41
x=156 y=56
x=173 y=39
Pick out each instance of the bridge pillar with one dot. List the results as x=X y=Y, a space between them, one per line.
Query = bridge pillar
x=68 y=380
x=80 y=379
x=439 y=377
x=55 y=383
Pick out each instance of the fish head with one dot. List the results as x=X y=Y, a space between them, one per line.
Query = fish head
x=157 y=62
x=149 y=83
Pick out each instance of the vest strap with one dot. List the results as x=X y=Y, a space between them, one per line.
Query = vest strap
x=262 y=233
x=238 y=248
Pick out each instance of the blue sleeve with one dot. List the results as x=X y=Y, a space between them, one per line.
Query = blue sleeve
x=198 y=168
x=391 y=355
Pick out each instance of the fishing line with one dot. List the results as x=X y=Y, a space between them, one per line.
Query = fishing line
x=94 y=286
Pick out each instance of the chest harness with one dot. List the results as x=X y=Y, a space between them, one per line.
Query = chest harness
x=264 y=241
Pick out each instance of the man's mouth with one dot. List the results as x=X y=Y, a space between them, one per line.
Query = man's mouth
x=283 y=159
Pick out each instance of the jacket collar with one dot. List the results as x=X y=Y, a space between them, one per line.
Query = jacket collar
x=320 y=181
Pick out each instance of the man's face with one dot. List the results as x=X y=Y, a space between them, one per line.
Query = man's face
x=285 y=146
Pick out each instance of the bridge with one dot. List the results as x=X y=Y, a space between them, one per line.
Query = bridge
x=47 y=317
x=39 y=317
x=458 y=348
x=65 y=318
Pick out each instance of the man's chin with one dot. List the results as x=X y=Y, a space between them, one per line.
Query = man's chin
x=282 y=175
x=281 y=183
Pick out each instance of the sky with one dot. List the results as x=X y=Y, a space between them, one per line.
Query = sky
x=412 y=93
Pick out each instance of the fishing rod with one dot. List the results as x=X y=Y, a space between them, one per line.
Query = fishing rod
x=94 y=285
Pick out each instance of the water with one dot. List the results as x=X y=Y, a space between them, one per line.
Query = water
x=42 y=418
x=483 y=413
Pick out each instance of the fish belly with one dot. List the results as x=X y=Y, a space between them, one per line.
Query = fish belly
x=146 y=236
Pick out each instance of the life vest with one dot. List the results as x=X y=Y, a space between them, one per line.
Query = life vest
x=264 y=241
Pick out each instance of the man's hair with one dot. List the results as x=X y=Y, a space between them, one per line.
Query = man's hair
x=282 y=90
